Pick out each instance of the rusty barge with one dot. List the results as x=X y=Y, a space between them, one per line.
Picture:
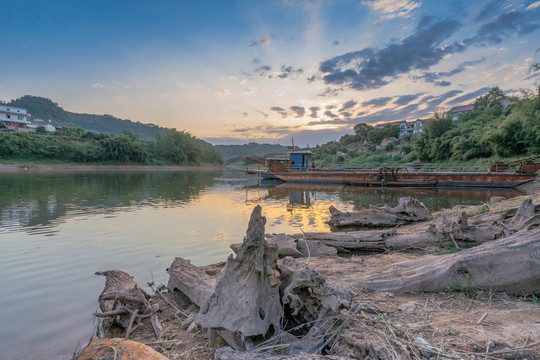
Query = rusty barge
x=297 y=169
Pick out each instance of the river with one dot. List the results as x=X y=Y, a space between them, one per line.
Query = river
x=58 y=228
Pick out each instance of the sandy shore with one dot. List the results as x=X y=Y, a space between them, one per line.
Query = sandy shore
x=81 y=167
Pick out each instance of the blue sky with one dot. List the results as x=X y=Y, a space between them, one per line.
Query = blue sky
x=266 y=71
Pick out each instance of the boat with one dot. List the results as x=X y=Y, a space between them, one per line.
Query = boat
x=427 y=182
x=297 y=169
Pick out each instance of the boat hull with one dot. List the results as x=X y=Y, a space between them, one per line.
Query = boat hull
x=445 y=179
x=395 y=183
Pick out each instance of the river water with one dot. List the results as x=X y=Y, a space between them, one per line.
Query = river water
x=58 y=229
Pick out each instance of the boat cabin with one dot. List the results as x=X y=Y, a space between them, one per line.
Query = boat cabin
x=299 y=160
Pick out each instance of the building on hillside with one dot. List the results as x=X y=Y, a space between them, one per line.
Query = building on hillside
x=411 y=128
x=15 y=118
x=38 y=122
x=458 y=110
x=386 y=141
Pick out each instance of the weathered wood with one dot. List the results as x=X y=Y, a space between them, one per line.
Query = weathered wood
x=307 y=295
x=122 y=293
x=407 y=211
x=246 y=298
x=509 y=265
x=190 y=280
x=286 y=245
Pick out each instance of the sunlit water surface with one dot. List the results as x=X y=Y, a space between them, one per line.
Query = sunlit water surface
x=58 y=229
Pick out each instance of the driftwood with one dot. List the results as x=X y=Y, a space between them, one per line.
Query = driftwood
x=121 y=297
x=307 y=296
x=190 y=280
x=509 y=265
x=245 y=301
x=407 y=211
x=460 y=232
x=286 y=245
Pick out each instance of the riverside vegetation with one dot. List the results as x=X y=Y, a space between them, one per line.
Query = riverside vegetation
x=80 y=146
x=499 y=127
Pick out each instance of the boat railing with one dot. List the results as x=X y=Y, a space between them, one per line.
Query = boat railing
x=407 y=168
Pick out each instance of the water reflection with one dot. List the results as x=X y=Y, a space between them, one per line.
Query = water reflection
x=303 y=195
x=41 y=201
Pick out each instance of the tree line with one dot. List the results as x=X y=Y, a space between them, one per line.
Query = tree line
x=80 y=146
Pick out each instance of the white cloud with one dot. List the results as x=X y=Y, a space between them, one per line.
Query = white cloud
x=393 y=8
x=98 y=86
x=534 y=5
x=222 y=92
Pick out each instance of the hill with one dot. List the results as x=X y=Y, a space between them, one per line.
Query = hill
x=44 y=108
x=237 y=153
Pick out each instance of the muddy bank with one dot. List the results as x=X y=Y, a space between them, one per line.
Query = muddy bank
x=270 y=302
x=80 y=167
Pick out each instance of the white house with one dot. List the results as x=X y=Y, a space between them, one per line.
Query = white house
x=458 y=110
x=14 y=117
x=411 y=128
x=38 y=122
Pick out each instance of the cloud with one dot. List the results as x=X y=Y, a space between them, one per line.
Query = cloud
x=280 y=111
x=265 y=115
x=222 y=92
x=287 y=71
x=490 y=9
x=369 y=68
x=299 y=111
x=393 y=8
x=534 y=5
x=329 y=92
x=245 y=114
x=329 y=114
x=405 y=99
x=506 y=25
x=98 y=85
x=314 y=110
x=432 y=101
x=469 y=96
x=377 y=102
x=263 y=70
x=349 y=104
x=435 y=77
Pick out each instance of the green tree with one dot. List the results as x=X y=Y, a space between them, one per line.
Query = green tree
x=495 y=97
x=361 y=130
x=41 y=130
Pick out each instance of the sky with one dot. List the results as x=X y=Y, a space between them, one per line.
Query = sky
x=233 y=72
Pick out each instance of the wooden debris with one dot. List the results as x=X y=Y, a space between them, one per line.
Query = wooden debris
x=508 y=265
x=407 y=211
x=246 y=300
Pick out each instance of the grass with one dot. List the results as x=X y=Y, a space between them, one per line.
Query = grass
x=479 y=211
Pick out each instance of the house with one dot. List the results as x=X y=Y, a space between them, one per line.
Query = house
x=38 y=122
x=411 y=128
x=15 y=118
x=458 y=110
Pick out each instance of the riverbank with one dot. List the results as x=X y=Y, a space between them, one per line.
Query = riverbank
x=460 y=320
x=86 y=167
